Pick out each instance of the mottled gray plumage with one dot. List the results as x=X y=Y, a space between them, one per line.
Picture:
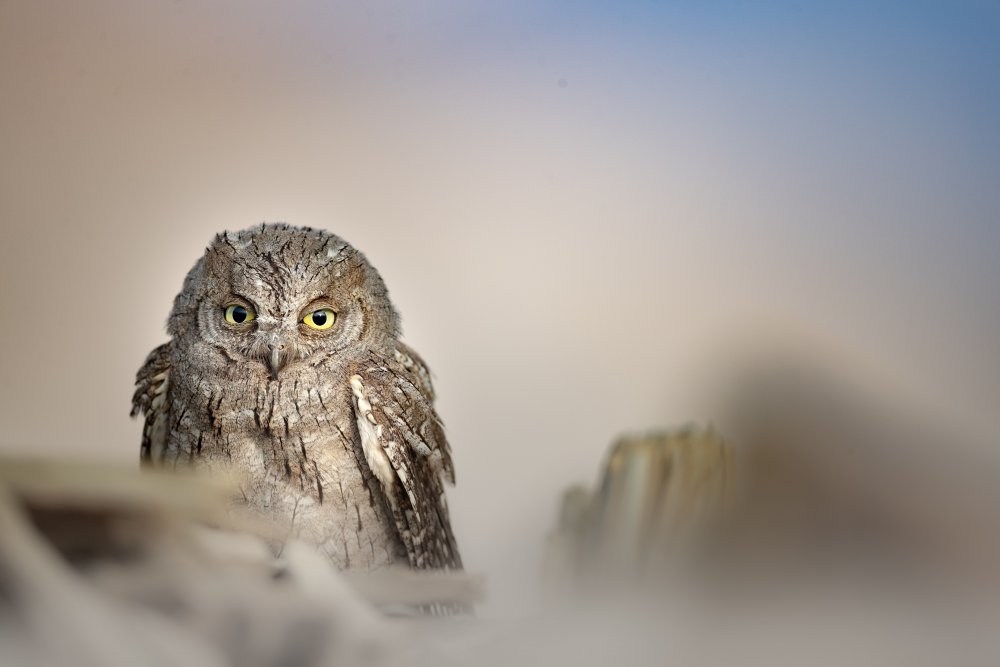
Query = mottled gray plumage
x=331 y=433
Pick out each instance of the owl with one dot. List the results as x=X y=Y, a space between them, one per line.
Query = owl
x=285 y=371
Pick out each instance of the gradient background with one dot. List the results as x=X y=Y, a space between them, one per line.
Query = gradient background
x=587 y=213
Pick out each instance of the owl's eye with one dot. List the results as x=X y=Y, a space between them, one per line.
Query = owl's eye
x=237 y=314
x=320 y=319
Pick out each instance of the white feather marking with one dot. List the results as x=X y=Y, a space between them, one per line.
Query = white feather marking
x=371 y=436
x=160 y=390
x=158 y=429
x=158 y=436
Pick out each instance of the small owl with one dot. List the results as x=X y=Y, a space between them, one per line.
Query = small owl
x=285 y=369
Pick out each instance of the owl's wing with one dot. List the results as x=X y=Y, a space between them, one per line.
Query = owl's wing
x=412 y=362
x=405 y=447
x=150 y=399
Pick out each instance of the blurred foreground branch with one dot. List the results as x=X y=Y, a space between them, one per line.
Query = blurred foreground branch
x=107 y=567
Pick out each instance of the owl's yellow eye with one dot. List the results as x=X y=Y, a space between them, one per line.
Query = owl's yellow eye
x=237 y=314
x=320 y=319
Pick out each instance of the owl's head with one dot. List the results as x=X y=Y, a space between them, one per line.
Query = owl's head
x=274 y=295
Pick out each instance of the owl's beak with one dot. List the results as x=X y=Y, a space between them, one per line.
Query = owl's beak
x=277 y=359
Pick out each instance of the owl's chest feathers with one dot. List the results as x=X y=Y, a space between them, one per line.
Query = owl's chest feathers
x=294 y=449
x=294 y=426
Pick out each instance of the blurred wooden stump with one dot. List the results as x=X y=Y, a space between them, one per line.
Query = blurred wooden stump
x=824 y=476
x=656 y=493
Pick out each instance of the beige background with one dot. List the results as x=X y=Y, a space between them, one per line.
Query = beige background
x=584 y=218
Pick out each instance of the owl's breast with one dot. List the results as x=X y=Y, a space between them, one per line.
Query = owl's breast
x=294 y=449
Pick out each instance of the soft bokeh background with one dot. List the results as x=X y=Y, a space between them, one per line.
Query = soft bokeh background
x=586 y=212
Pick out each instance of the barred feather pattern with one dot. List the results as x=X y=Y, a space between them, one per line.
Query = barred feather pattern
x=151 y=386
x=396 y=400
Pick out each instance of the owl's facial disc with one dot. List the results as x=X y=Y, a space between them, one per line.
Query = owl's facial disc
x=275 y=337
x=275 y=299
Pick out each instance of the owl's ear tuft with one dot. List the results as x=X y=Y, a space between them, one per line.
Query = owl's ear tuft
x=221 y=253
